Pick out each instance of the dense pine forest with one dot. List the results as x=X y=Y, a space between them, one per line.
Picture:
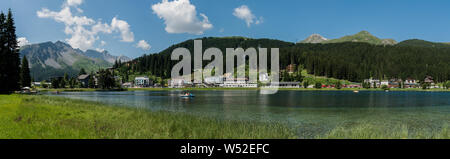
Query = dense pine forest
x=349 y=61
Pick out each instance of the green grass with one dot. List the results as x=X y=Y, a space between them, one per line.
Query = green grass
x=368 y=130
x=44 y=117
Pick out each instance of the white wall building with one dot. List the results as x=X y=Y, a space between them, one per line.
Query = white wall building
x=141 y=82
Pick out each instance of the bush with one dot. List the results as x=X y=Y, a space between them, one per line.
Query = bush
x=318 y=85
x=384 y=87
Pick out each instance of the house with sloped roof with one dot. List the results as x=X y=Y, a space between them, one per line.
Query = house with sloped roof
x=84 y=80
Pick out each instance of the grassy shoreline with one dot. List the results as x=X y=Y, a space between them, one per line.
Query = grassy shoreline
x=45 y=117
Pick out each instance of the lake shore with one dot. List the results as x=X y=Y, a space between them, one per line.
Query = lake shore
x=222 y=89
x=45 y=117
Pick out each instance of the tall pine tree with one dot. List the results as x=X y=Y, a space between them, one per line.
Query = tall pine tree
x=3 y=54
x=12 y=72
x=25 y=78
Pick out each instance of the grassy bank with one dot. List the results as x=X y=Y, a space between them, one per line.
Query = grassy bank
x=37 y=117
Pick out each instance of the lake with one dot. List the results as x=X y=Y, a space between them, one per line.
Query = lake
x=311 y=112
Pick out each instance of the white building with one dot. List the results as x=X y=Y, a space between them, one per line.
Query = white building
x=373 y=82
x=142 y=82
x=264 y=77
x=179 y=83
x=214 y=80
x=238 y=83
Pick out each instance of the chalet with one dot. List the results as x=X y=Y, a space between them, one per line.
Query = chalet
x=127 y=85
x=84 y=80
x=142 y=82
x=429 y=80
x=291 y=68
x=411 y=83
x=395 y=83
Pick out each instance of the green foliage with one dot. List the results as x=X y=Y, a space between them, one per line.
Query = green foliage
x=82 y=72
x=338 y=85
x=9 y=61
x=384 y=87
x=44 y=84
x=25 y=78
x=425 y=85
x=106 y=79
x=305 y=84
x=447 y=84
x=318 y=85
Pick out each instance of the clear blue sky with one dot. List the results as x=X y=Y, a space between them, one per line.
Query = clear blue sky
x=289 y=20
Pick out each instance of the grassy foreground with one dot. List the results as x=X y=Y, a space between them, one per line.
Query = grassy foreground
x=43 y=117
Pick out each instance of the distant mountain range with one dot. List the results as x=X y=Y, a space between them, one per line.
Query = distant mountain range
x=362 y=36
x=54 y=59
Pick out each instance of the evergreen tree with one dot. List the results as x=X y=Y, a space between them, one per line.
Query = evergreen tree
x=82 y=72
x=10 y=72
x=25 y=78
x=3 y=54
x=91 y=82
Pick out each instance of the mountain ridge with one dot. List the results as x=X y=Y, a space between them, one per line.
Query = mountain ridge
x=50 y=59
x=362 y=36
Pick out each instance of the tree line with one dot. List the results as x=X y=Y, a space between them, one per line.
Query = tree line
x=348 y=61
x=14 y=73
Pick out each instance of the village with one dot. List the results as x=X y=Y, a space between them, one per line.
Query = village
x=228 y=81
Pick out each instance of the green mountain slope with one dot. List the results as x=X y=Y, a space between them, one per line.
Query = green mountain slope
x=49 y=60
x=363 y=36
x=353 y=61
x=423 y=43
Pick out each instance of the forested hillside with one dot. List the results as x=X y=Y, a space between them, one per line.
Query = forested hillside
x=352 y=61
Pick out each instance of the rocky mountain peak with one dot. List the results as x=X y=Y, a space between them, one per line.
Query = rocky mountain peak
x=314 y=38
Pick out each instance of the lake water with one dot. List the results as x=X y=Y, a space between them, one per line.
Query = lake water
x=312 y=112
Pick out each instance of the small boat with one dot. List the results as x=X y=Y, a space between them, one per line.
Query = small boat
x=187 y=95
x=355 y=91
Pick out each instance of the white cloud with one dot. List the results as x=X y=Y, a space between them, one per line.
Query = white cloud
x=124 y=28
x=180 y=16
x=244 y=13
x=99 y=50
x=143 y=45
x=74 y=2
x=84 y=31
x=22 y=41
